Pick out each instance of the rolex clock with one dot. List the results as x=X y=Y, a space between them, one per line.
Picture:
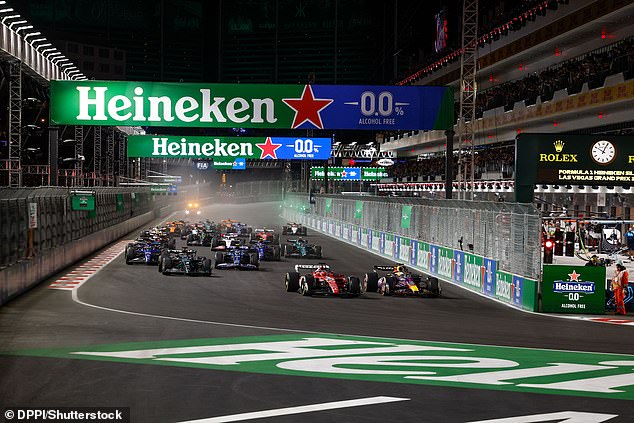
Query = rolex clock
x=603 y=152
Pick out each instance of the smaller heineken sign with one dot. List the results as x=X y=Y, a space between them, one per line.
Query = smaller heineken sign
x=236 y=164
x=261 y=148
x=83 y=202
x=349 y=173
x=573 y=289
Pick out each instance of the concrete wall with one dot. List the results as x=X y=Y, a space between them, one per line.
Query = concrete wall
x=25 y=274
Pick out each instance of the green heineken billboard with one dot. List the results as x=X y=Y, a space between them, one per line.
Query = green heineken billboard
x=573 y=289
x=114 y=103
x=83 y=202
x=349 y=173
x=265 y=148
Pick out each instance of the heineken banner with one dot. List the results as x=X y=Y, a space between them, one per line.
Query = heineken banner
x=121 y=103
x=406 y=216
x=235 y=164
x=283 y=148
x=328 y=205
x=573 y=289
x=349 y=173
x=358 y=210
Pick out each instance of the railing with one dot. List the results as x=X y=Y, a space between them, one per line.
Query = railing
x=506 y=232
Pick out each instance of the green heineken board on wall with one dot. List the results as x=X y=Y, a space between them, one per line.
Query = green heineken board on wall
x=573 y=289
x=83 y=202
x=114 y=103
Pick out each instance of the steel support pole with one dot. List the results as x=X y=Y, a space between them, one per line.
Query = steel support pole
x=15 y=124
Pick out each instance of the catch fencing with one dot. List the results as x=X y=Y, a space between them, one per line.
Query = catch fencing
x=57 y=223
x=509 y=233
x=258 y=191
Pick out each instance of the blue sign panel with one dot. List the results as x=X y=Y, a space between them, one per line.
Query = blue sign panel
x=490 y=269
x=517 y=288
x=239 y=164
x=202 y=165
x=458 y=266
x=383 y=107
x=302 y=148
x=433 y=263
x=413 y=252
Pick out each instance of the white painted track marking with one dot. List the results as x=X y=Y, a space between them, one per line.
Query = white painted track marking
x=298 y=410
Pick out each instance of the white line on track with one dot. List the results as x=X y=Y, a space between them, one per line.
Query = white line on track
x=298 y=410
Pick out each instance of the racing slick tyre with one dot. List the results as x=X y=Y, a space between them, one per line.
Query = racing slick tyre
x=207 y=267
x=215 y=242
x=285 y=251
x=171 y=244
x=354 y=286
x=167 y=264
x=161 y=258
x=276 y=239
x=190 y=239
x=318 y=251
x=254 y=258
x=306 y=285
x=371 y=282
x=285 y=230
x=303 y=231
x=129 y=254
x=219 y=258
x=277 y=255
x=434 y=286
x=388 y=288
x=291 y=281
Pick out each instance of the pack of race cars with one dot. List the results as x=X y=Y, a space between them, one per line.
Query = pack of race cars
x=236 y=245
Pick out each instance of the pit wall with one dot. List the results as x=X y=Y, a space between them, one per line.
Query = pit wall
x=476 y=273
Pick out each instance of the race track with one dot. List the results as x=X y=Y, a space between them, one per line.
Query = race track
x=186 y=317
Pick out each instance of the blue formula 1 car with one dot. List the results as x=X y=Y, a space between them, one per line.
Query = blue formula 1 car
x=267 y=251
x=184 y=262
x=241 y=258
x=399 y=280
x=143 y=251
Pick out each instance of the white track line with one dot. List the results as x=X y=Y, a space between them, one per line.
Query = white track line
x=298 y=410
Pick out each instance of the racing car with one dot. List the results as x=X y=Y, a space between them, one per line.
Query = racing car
x=227 y=241
x=143 y=251
x=399 y=280
x=267 y=250
x=157 y=235
x=263 y=234
x=229 y=226
x=193 y=208
x=321 y=281
x=294 y=229
x=185 y=262
x=200 y=236
x=242 y=258
x=301 y=248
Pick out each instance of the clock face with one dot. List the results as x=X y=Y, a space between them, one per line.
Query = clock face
x=603 y=152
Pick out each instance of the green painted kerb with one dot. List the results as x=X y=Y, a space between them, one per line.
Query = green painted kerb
x=384 y=360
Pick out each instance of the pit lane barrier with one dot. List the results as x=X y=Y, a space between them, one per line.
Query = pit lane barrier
x=363 y=223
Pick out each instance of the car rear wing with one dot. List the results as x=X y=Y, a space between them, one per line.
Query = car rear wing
x=323 y=266
x=387 y=268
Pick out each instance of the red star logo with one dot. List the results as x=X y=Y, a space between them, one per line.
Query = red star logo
x=344 y=173
x=307 y=108
x=574 y=276
x=268 y=149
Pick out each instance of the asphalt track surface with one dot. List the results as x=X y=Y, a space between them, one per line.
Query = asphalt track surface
x=234 y=304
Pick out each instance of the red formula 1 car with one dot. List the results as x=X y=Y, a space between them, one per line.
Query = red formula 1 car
x=321 y=281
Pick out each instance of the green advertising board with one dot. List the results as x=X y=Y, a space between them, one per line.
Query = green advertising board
x=83 y=202
x=328 y=205
x=406 y=216
x=473 y=271
x=291 y=106
x=445 y=262
x=119 y=202
x=349 y=173
x=358 y=209
x=160 y=189
x=573 y=289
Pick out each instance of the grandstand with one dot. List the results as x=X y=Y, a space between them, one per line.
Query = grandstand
x=554 y=67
